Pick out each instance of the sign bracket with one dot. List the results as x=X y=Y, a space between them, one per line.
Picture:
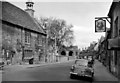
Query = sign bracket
x=107 y=18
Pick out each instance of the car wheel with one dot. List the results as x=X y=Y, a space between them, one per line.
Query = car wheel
x=92 y=74
x=71 y=76
x=92 y=79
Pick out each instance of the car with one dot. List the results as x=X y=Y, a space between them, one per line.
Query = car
x=89 y=57
x=91 y=61
x=1 y=64
x=82 y=68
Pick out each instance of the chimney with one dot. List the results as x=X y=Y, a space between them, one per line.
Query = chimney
x=29 y=8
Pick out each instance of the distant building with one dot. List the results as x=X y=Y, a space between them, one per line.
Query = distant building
x=96 y=47
x=70 y=52
x=21 y=34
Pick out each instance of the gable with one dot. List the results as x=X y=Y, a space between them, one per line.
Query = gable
x=17 y=16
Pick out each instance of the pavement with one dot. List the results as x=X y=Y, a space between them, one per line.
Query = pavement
x=102 y=74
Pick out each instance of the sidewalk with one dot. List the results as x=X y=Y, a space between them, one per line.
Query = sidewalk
x=102 y=74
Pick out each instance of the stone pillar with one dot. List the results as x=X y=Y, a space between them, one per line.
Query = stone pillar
x=67 y=54
x=74 y=53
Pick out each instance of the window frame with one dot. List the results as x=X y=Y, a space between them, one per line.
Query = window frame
x=27 y=37
x=39 y=39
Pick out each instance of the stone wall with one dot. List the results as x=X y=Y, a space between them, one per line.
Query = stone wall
x=115 y=32
x=0 y=39
x=11 y=42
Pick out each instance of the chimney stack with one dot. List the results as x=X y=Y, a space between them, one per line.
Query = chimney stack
x=29 y=8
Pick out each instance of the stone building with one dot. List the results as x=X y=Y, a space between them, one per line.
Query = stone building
x=21 y=34
x=114 y=41
x=68 y=53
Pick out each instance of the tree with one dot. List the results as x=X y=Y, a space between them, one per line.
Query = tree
x=58 y=31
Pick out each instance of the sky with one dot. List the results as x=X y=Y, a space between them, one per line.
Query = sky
x=80 y=13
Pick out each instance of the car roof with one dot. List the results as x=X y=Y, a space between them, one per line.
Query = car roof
x=81 y=60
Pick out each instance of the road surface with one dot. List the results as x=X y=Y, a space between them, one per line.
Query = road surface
x=53 y=72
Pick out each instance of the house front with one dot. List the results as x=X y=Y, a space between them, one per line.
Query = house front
x=21 y=34
x=114 y=40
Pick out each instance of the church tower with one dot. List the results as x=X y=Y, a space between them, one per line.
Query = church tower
x=29 y=8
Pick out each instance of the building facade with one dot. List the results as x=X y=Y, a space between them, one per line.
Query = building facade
x=114 y=41
x=109 y=48
x=21 y=35
x=68 y=53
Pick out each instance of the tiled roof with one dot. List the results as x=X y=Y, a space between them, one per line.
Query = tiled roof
x=17 y=16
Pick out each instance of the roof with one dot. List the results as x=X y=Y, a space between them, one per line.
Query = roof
x=40 y=26
x=72 y=47
x=17 y=16
x=113 y=5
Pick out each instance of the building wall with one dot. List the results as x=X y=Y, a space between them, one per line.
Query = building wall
x=119 y=65
x=11 y=39
x=0 y=39
x=115 y=15
x=118 y=52
x=44 y=47
x=115 y=27
x=35 y=48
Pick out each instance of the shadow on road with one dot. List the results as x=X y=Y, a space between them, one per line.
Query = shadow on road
x=86 y=79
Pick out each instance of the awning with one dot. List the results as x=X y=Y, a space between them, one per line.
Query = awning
x=114 y=44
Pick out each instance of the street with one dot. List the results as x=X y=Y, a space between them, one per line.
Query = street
x=41 y=41
x=54 y=72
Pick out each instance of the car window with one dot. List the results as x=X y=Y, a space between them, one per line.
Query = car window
x=89 y=64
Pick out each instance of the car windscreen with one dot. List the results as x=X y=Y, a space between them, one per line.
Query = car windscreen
x=81 y=63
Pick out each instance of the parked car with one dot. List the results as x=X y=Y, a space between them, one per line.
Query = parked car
x=91 y=60
x=1 y=64
x=82 y=68
x=31 y=61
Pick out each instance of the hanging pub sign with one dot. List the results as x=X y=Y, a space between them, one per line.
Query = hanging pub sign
x=100 y=25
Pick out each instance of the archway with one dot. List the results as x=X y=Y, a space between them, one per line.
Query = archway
x=71 y=53
x=63 y=53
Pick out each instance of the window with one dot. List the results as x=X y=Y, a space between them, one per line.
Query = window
x=116 y=28
x=119 y=32
x=39 y=40
x=27 y=37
